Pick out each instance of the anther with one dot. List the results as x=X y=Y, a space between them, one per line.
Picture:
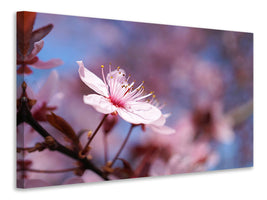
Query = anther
x=102 y=66
x=89 y=133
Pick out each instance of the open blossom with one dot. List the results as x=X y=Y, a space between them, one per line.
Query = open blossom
x=115 y=95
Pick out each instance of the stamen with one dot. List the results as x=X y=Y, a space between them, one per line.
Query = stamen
x=103 y=76
x=109 y=67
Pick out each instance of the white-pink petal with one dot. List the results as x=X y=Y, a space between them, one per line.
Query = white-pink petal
x=92 y=81
x=47 y=64
x=159 y=122
x=100 y=103
x=162 y=129
x=139 y=113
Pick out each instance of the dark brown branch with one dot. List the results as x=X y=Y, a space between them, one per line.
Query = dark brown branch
x=49 y=171
x=24 y=115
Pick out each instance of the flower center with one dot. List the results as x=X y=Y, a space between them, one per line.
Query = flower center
x=117 y=102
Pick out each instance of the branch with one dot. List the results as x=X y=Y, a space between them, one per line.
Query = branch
x=241 y=113
x=24 y=115
x=49 y=171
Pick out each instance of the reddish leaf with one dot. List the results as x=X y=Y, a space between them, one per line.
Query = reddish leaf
x=64 y=127
x=25 y=22
x=40 y=33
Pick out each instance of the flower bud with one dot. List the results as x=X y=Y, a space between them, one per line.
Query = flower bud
x=109 y=123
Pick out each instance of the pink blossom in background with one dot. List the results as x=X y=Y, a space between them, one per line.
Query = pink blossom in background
x=195 y=158
x=209 y=122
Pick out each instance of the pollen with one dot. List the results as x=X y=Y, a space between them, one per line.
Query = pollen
x=111 y=77
x=89 y=133
x=102 y=66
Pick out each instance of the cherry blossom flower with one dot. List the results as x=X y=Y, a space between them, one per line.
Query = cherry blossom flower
x=48 y=97
x=194 y=158
x=115 y=95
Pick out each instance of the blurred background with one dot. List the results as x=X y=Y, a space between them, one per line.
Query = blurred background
x=205 y=78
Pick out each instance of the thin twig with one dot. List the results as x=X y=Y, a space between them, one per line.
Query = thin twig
x=105 y=147
x=123 y=145
x=84 y=151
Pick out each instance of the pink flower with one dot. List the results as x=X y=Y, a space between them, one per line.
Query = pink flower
x=196 y=157
x=115 y=95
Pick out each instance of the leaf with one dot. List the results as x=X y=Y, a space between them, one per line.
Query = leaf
x=60 y=124
x=25 y=22
x=40 y=33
